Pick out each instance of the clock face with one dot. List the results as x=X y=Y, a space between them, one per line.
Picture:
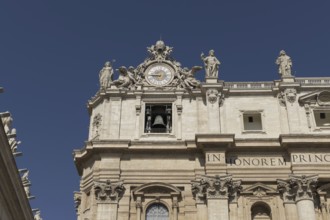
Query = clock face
x=159 y=74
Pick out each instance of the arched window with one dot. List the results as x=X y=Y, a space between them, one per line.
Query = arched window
x=260 y=211
x=157 y=212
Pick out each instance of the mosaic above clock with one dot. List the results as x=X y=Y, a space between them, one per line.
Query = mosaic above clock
x=158 y=70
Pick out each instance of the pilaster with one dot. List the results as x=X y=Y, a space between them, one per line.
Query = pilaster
x=107 y=195
x=288 y=91
x=213 y=91
x=288 y=197
x=138 y=95
x=216 y=191
x=179 y=95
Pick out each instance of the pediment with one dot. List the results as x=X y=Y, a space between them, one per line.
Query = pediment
x=259 y=189
x=324 y=188
x=321 y=98
x=157 y=188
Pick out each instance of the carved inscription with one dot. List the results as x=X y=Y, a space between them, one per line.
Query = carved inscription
x=215 y=157
x=310 y=158
x=256 y=161
x=267 y=160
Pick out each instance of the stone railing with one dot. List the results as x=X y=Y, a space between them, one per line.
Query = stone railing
x=248 y=85
x=314 y=81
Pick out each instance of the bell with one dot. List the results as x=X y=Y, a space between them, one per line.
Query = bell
x=158 y=122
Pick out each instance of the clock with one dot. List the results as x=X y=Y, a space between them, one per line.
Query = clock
x=159 y=74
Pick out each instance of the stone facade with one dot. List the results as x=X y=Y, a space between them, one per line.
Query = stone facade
x=179 y=149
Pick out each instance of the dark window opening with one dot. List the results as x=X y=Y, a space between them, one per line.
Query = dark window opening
x=322 y=118
x=158 y=118
x=252 y=121
x=322 y=115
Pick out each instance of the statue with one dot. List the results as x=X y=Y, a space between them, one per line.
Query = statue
x=37 y=216
x=211 y=64
x=25 y=177
x=187 y=77
x=160 y=51
x=27 y=190
x=284 y=64
x=125 y=79
x=7 y=123
x=106 y=75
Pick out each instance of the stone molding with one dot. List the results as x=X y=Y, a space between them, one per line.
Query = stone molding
x=108 y=192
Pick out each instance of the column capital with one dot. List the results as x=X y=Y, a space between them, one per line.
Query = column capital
x=303 y=186
x=217 y=187
x=286 y=191
x=297 y=188
x=108 y=192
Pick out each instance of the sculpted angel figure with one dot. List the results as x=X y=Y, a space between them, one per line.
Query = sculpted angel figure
x=188 y=77
x=125 y=79
x=106 y=75
x=284 y=63
x=211 y=64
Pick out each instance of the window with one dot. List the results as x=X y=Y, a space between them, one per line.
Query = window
x=158 y=118
x=252 y=121
x=260 y=211
x=157 y=212
x=322 y=118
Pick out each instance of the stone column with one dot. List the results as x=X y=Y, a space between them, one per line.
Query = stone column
x=304 y=187
x=216 y=190
x=107 y=195
x=288 y=197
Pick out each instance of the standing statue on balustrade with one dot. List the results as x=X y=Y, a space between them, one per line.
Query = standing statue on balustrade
x=211 y=64
x=106 y=75
x=284 y=63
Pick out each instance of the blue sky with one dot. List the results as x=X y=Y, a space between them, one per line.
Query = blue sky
x=51 y=53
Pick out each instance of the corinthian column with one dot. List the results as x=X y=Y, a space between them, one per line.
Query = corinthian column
x=107 y=195
x=288 y=196
x=216 y=190
x=304 y=187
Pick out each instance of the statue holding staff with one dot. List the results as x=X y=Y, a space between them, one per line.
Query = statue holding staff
x=211 y=64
